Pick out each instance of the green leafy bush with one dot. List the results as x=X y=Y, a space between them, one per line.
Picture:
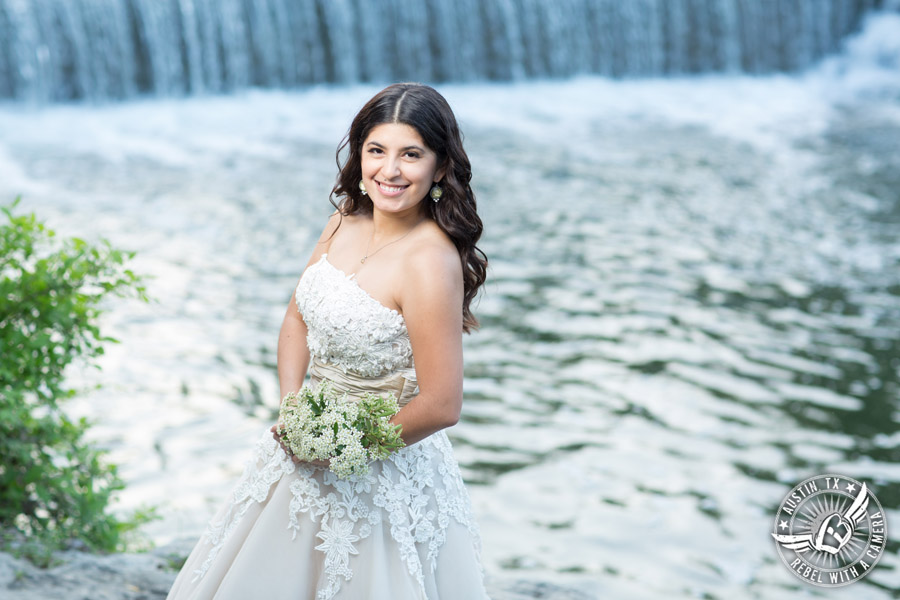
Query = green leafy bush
x=55 y=488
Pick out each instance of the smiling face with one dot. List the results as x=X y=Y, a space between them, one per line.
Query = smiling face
x=398 y=169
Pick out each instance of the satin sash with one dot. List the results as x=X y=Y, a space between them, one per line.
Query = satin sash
x=401 y=383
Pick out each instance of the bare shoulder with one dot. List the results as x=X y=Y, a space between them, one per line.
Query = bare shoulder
x=335 y=221
x=432 y=292
x=337 y=225
x=435 y=260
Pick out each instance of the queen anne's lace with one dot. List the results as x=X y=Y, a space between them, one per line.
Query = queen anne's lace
x=357 y=333
x=417 y=492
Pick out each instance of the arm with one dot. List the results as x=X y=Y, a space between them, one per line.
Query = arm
x=293 y=359
x=432 y=308
x=293 y=355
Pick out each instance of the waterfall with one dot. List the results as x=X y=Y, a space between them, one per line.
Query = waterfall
x=59 y=50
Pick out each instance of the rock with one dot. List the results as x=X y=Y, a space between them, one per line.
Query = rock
x=82 y=576
x=148 y=576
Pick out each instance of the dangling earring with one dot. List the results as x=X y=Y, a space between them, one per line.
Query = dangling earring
x=436 y=192
x=362 y=188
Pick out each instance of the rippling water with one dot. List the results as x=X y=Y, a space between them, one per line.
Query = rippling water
x=693 y=305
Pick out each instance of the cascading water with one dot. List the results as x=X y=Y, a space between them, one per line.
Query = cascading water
x=105 y=49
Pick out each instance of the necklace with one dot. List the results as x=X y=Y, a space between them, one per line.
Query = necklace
x=363 y=259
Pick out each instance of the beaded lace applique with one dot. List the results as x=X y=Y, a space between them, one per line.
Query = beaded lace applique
x=264 y=470
x=405 y=494
x=348 y=327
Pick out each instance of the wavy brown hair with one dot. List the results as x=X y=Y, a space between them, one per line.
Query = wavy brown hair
x=425 y=110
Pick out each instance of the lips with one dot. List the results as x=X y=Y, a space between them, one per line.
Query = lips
x=391 y=190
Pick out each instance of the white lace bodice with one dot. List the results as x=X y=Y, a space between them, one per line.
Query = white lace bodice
x=349 y=328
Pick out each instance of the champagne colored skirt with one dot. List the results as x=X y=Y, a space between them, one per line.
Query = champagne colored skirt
x=292 y=532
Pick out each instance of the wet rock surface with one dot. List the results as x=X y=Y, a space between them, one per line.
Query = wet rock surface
x=149 y=575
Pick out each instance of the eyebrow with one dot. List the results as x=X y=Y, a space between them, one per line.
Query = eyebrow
x=419 y=148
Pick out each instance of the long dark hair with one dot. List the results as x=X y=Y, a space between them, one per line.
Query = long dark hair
x=425 y=110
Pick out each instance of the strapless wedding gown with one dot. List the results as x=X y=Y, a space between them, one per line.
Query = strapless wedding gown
x=292 y=532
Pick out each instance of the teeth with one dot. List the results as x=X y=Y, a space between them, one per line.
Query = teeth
x=390 y=189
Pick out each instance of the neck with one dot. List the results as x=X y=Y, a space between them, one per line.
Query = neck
x=387 y=225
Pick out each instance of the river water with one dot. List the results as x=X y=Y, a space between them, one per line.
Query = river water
x=693 y=304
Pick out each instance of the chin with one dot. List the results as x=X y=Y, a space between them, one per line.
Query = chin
x=388 y=206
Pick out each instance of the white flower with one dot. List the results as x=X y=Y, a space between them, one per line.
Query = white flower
x=337 y=542
x=365 y=530
x=337 y=432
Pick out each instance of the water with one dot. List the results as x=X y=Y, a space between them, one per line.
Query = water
x=693 y=304
x=82 y=49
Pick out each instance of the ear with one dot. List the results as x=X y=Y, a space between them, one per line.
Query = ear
x=439 y=174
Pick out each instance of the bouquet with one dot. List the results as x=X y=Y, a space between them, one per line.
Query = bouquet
x=323 y=424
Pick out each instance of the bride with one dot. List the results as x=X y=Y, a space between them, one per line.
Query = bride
x=380 y=307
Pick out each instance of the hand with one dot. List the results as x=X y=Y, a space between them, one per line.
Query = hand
x=317 y=463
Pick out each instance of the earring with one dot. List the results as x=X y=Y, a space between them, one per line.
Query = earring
x=436 y=192
x=362 y=188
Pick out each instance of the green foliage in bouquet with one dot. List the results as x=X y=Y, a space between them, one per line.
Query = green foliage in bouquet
x=54 y=487
x=322 y=424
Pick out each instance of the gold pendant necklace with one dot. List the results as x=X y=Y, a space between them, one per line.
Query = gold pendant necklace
x=363 y=259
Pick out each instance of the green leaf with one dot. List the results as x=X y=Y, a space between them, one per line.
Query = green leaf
x=54 y=486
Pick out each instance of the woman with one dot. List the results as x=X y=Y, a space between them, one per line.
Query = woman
x=381 y=306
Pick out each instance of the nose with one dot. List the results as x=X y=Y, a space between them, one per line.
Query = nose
x=390 y=167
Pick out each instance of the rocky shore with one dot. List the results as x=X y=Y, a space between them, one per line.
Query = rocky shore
x=149 y=575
